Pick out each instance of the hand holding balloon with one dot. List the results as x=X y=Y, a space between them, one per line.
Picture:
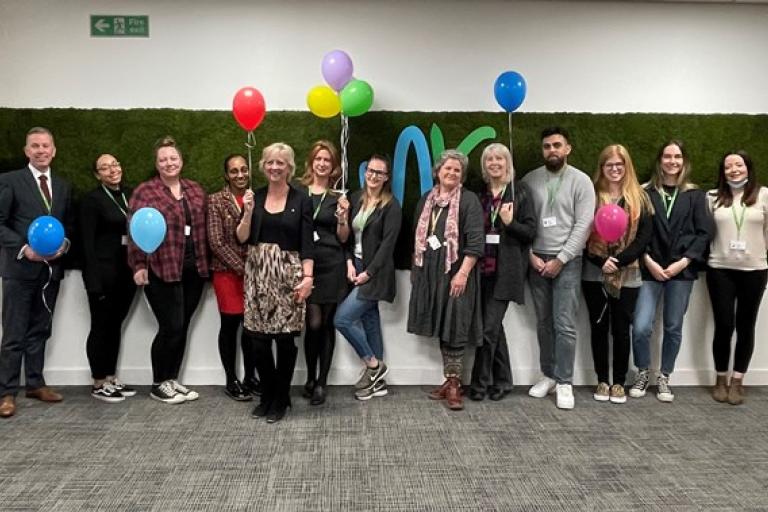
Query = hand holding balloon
x=45 y=239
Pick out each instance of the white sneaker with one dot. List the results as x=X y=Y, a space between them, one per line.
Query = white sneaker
x=184 y=391
x=663 y=391
x=542 y=388
x=565 y=396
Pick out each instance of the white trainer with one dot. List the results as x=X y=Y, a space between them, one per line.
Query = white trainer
x=565 y=396
x=542 y=388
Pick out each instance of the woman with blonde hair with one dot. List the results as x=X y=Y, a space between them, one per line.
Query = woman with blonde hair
x=611 y=275
x=682 y=228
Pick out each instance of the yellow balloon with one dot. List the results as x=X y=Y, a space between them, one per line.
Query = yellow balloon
x=323 y=101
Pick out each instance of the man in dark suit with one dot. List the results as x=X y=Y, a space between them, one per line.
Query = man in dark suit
x=30 y=281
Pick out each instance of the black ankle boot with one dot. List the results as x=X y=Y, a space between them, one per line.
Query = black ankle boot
x=318 y=395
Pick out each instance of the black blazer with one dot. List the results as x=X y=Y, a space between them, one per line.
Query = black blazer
x=686 y=233
x=378 y=239
x=102 y=227
x=20 y=204
x=297 y=221
x=514 y=245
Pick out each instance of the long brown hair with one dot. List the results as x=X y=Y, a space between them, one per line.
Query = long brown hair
x=683 y=178
x=385 y=195
x=635 y=198
x=317 y=147
x=751 y=189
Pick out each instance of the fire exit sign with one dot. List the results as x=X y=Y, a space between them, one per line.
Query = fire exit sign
x=119 y=25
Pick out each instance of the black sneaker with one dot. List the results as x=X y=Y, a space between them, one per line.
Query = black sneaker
x=236 y=392
x=107 y=393
x=165 y=392
x=124 y=389
x=252 y=386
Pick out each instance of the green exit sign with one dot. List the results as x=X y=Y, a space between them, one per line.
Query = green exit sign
x=119 y=25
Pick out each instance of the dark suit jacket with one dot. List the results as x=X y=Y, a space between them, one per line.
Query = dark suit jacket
x=102 y=226
x=20 y=204
x=379 y=239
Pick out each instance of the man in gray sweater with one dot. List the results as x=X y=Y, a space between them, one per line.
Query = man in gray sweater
x=564 y=201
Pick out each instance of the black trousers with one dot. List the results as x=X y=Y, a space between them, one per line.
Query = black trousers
x=173 y=305
x=108 y=311
x=735 y=297
x=492 y=368
x=26 y=328
x=275 y=376
x=230 y=324
x=319 y=342
x=606 y=312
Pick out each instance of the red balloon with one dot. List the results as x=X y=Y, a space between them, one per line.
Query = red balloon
x=248 y=108
x=611 y=222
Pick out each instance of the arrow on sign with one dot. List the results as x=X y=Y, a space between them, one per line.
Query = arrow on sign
x=101 y=25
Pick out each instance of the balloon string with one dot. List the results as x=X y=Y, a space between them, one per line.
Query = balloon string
x=250 y=143
x=50 y=277
x=511 y=152
x=344 y=165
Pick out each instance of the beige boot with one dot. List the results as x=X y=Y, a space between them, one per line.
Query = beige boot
x=720 y=391
x=736 y=391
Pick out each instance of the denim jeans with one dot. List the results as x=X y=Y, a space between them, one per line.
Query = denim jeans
x=676 y=294
x=556 y=302
x=358 y=320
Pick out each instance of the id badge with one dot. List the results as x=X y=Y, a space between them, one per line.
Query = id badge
x=548 y=222
x=124 y=240
x=187 y=230
x=315 y=236
x=492 y=238
x=434 y=242
x=737 y=245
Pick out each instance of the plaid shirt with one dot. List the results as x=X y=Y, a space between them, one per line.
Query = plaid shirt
x=228 y=255
x=166 y=262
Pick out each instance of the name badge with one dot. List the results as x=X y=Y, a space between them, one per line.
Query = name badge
x=548 y=222
x=315 y=236
x=492 y=238
x=187 y=230
x=124 y=240
x=737 y=245
x=434 y=243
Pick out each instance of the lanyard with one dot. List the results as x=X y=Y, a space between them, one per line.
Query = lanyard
x=553 y=187
x=361 y=219
x=669 y=201
x=740 y=220
x=495 y=211
x=435 y=218
x=317 y=210
x=125 y=213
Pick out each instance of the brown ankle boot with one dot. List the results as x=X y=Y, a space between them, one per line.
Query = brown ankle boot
x=453 y=395
x=720 y=391
x=736 y=392
x=439 y=393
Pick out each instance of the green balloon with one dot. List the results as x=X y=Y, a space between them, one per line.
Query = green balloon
x=356 y=98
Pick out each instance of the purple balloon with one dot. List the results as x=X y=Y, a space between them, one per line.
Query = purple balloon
x=337 y=69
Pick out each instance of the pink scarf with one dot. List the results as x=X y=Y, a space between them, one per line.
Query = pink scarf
x=451 y=233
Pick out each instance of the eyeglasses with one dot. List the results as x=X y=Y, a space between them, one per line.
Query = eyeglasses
x=376 y=173
x=106 y=167
x=618 y=167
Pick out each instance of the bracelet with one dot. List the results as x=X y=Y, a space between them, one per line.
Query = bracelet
x=309 y=276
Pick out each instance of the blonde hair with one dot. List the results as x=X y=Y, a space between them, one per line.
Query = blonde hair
x=635 y=198
x=282 y=149
x=497 y=149
x=309 y=175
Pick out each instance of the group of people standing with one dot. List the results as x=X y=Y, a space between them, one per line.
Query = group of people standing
x=297 y=256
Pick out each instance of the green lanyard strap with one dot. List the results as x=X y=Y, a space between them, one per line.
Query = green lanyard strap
x=553 y=187
x=740 y=220
x=669 y=201
x=495 y=211
x=125 y=202
x=319 y=205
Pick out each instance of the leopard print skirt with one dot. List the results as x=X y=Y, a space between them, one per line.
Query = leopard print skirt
x=270 y=276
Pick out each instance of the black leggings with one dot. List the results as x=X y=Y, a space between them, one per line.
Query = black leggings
x=228 y=348
x=275 y=376
x=319 y=341
x=108 y=311
x=740 y=291
x=604 y=312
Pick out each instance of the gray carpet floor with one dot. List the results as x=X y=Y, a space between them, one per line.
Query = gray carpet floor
x=399 y=452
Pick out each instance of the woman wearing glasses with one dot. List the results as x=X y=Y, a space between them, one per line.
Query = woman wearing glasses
x=107 y=276
x=376 y=218
x=331 y=230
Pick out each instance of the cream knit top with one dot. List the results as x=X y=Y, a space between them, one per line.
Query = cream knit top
x=754 y=232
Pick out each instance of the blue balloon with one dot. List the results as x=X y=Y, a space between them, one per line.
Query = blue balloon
x=45 y=235
x=509 y=90
x=148 y=229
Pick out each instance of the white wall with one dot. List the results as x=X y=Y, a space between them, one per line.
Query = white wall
x=423 y=56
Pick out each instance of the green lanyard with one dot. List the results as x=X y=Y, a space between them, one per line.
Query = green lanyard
x=669 y=201
x=553 y=187
x=317 y=210
x=362 y=218
x=740 y=220
x=495 y=211
x=125 y=202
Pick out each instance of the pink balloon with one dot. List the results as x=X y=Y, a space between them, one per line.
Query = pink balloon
x=611 y=222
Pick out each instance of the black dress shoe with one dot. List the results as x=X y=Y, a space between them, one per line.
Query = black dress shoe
x=498 y=394
x=261 y=410
x=318 y=395
x=309 y=389
x=276 y=413
x=252 y=386
x=235 y=391
x=476 y=395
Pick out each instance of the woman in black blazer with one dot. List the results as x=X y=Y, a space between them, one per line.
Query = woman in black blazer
x=510 y=226
x=108 y=279
x=376 y=219
x=682 y=228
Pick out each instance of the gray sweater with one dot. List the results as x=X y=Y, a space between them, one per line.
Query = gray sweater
x=573 y=208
